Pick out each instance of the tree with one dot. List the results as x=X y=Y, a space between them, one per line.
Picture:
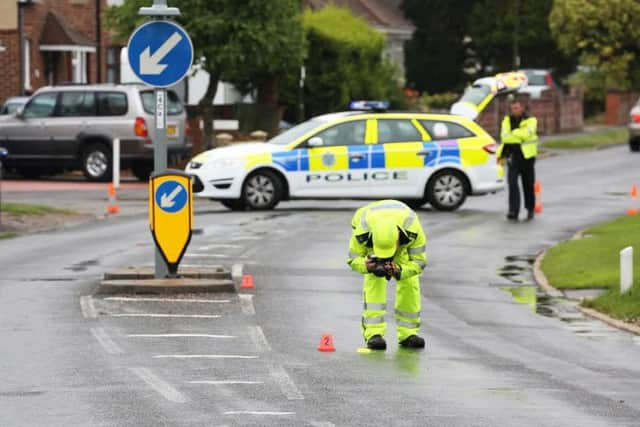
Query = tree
x=250 y=43
x=344 y=62
x=604 y=34
x=434 y=57
x=511 y=34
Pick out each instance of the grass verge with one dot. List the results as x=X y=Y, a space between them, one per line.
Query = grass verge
x=589 y=140
x=594 y=262
x=25 y=209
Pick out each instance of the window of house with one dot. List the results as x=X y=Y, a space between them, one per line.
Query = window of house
x=112 y=103
x=397 y=131
x=440 y=130
x=113 y=65
x=77 y=104
x=349 y=133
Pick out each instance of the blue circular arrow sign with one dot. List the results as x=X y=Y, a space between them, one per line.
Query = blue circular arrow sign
x=160 y=53
x=171 y=196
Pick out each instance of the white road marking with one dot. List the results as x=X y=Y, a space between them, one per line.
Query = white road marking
x=225 y=382
x=246 y=304
x=236 y=271
x=162 y=387
x=188 y=316
x=286 y=384
x=180 y=336
x=258 y=413
x=259 y=339
x=87 y=307
x=134 y=299
x=218 y=245
x=203 y=356
x=322 y=424
x=207 y=256
x=105 y=341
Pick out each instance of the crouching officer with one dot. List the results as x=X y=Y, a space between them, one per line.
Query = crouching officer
x=388 y=242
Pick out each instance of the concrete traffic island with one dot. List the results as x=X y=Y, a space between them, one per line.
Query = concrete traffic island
x=141 y=280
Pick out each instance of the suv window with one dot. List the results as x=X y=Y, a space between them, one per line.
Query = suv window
x=440 y=130
x=41 y=105
x=77 y=104
x=174 y=106
x=397 y=131
x=349 y=133
x=112 y=103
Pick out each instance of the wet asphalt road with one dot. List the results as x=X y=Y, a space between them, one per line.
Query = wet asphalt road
x=69 y=357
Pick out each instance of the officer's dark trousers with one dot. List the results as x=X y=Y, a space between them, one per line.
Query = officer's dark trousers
x=522 y=168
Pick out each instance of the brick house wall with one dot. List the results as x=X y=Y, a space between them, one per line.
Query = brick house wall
x=556 y=112
x=78 y=15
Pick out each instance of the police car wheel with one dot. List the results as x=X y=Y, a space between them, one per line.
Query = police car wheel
x=234 y=205
x=262 y=190
x=447 y=190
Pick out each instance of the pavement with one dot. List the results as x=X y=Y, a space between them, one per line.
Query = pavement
x=70 y=357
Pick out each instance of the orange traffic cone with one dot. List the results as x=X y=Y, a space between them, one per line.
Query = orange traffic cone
x=634 y=200
x=247 y=282
x=326 y=343
x=537 y=189
x=112 y=206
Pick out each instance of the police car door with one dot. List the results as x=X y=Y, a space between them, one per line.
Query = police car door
x=398 y=159
x=335 y=162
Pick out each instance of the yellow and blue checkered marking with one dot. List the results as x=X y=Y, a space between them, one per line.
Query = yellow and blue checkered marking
x=374 y=156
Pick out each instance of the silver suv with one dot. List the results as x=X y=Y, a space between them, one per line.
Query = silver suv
x=73 y=127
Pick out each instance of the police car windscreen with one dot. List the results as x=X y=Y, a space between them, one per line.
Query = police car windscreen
x=476 y=94
x=294 y=133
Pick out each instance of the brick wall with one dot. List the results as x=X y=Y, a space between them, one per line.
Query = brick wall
x=618 y=105
x=76 y=14
x=9 y=64
x=556 y=112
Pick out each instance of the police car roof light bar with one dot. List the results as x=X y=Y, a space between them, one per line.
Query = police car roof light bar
x=369 y=105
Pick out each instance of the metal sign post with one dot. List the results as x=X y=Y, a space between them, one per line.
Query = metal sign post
x=160 y=54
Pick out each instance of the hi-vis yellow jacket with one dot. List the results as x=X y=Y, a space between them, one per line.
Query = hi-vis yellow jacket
x=410 y=256
x=526 y=135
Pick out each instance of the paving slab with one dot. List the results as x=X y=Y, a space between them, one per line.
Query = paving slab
x=191 y=272
x=165 y=286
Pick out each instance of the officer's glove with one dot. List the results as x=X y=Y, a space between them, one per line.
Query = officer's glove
x=397 y=271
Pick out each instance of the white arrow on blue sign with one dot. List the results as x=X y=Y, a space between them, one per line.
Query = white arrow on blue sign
x=160 y=53
x=171 y=196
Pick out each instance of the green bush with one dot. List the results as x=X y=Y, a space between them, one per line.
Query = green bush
x=344 y=62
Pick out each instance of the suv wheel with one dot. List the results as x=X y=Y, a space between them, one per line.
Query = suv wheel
x=96 y=162
x=262 y=190
x=634 y=144
x=142 y=170
x=447 y=190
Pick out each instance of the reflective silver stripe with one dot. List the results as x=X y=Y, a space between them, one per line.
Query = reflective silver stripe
x=408 y=324
x=375 y=306
x=373 y=320
x=415 y=315
x=421 y=264
x=363 y=222
x=353 y=255
x=418 y=250
x=409 y=220
x=394 y=205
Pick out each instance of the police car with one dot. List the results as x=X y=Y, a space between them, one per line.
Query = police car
x=415 y=157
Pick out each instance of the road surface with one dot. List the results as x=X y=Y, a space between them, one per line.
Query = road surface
x=72 y=358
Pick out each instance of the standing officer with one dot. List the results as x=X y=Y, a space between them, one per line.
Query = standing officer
x=388 y=241
x=520 y=147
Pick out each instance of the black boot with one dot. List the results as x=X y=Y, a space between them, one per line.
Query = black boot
x=413 y=341
x=376 y=342
x=530 y=215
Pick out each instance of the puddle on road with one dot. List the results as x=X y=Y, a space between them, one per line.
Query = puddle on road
x=518 y=271
x=82 y=265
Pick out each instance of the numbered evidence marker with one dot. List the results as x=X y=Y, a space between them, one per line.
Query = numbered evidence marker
x=171 y=215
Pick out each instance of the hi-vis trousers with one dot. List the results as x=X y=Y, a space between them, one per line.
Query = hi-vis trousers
x=407 y=310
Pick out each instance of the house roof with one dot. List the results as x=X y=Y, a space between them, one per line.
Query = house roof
x=386 y=14
x=56 y=33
